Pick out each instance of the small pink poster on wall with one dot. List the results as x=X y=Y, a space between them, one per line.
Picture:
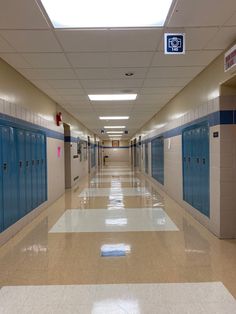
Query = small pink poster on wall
x=59 y=151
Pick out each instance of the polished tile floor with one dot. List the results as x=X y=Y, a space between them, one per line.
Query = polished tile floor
x=172 y=264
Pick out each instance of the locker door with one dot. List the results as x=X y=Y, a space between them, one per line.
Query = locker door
x=21 y=172
x=28 y=171
x=196 y=175
x=10 y=208
x=1 y=187
x=34 y=170
x=205 y=206
x=39 y=168
x=43 y=168
x=185 y=165
x=161 y=159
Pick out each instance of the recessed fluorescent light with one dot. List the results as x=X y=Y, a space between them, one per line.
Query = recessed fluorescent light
x=115 y=132
x=114 y=135
x=113 y=97
x=114 y=127
x=93 y=13
x=114 y=118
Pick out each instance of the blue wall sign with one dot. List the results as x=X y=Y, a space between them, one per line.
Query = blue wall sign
x=174 y=43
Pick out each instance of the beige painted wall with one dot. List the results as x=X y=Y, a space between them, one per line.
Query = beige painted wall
x=116 y=154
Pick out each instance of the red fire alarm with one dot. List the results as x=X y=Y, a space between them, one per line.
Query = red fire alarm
x=58 y=118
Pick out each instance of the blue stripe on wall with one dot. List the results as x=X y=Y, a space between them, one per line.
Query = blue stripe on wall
x=213 y=119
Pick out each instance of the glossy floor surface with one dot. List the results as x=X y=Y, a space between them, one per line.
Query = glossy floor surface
x=171 y=264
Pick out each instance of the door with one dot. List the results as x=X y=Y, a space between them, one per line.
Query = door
x=1 y=183
x=146 y=158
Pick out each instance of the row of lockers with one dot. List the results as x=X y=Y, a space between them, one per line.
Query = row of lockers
x=157 y=146
x=195 y=145
x=195 y=141
x=22 y=173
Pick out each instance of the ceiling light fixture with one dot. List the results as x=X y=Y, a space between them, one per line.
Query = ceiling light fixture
x=107 y=97
x=114 y=127
x=114 y=117
x=115 y=132
x=95 y=14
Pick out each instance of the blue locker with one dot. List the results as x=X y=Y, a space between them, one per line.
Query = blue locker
x=205 y=184
x=195 y=141
x=158 y=159
x=1 y=183
x=43 y=168
x=39 y=169
x=34 y=170
x=9 y=177
x=28 y=171
x=21 y=172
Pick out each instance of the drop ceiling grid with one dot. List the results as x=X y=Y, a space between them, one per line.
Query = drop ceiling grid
x=49 y=58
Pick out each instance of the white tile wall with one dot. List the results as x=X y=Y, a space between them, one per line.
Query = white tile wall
x=20 y=112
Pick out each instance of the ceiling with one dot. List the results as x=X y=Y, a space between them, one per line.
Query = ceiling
x=68 y=65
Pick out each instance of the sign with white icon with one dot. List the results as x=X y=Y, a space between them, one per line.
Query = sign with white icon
x=174 y=43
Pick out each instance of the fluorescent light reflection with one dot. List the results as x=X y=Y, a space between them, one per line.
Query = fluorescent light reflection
x=113 y=97
x=104 y=13
x=116 y=222
x=115 y=304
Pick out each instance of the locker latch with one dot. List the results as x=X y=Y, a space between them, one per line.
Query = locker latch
x=20 y=164
x=4 y=166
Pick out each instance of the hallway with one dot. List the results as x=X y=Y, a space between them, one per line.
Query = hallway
x=117 y=244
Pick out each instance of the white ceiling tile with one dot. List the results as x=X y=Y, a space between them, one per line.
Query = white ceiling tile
x=97 y=73
x=126 y=83
x=48 y=73
x=96 y=83
x=89 y=60
x=41 y=84
x=64 y=83
x=83 y=40
x=201 y=13
x=71 y=91
x=119 y=73
x=46 y=60
x=15 y=60
x=191 y=58
x=166 y=82
x=24 y=14
x=131 y=59
x=232 y=20
x=111 y=91
x=225 y=37
x=135 y=39
x=31 y=40
x=5 y=47
x=174 y=72
x=160 y=90
x=152 y=99
x=72 y=97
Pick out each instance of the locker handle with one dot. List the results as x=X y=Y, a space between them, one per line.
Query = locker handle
x=198 y=159
x=189 y=159
x=32 y=162
x=20 y=164
x=38 y=162
x=203 y=161
x=4 y=166
x=27 y=163
x=42 y=161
